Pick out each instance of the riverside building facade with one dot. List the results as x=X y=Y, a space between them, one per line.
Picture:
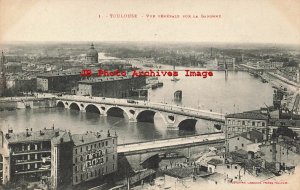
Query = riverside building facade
x=47 y=155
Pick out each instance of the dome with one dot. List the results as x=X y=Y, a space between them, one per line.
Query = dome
x=92 y=52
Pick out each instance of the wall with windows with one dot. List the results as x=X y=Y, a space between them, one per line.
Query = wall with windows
x=94 y=160
x=236 y=126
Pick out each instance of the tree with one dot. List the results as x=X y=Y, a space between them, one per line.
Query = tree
x=285 y=131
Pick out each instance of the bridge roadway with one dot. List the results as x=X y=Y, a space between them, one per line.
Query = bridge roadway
x=169 y=108
x=173 y=143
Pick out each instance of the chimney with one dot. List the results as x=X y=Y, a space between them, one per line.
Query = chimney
x=248 y=135
x=98 y=135
x=27 y=132
x=41 y=133
x=263 y=164
x=56 y=133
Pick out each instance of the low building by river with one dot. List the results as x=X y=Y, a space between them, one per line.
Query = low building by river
x=111 y=87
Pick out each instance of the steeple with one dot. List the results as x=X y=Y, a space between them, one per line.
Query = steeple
x=2 y=66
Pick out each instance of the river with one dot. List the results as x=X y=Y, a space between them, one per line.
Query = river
x=239 y=92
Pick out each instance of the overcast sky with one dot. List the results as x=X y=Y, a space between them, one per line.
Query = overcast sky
x=254 y=21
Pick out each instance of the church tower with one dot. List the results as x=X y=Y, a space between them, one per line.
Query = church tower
x=2 y=75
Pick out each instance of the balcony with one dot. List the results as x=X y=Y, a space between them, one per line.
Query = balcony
x=18 y=162
x=31 y=151
x=32 y=171
x=43 y=168
x=46 y=159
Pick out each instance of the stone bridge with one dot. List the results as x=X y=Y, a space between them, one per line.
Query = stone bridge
x=174 y=117
x=141 y=153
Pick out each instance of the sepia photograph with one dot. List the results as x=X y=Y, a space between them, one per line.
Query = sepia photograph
x=149 y=95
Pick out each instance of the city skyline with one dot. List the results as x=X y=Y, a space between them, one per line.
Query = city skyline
x=268 y=21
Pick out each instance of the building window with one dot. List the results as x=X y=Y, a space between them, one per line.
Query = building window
x=238 y=138
x=270 y=150
x=113 y=141
x=87 y=148
x=76 y=160
x=106 y=143
x=113 y=156
x=253 y=123
x=243 y=122
x=75 y=150
x=80 y=149
x=235 y=167
x=102 y=144
x=228 y=167
x=242 y=145
x=263 y=124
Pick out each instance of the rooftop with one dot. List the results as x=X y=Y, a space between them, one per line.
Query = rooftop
x=215 y=162
x=89 y=137
x=248 y=115
x=179 y=172
x=31 y=136
x=251 y=135
x=54 y=74
x=104 y=79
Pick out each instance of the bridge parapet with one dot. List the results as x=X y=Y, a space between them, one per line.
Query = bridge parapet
x=169 y=143
x=173 y=109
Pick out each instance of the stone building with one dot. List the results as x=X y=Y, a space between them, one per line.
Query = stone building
x=56 y=157
x=248 y=141
x=94 y=156
x=238 y=123
x=36 y=155
x=57 y=82
x=112 y=87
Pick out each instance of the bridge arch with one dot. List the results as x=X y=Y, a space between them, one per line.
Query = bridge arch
x=60 y=104
x=188 y=124
x=74 y=106
x=116 y=112
x=148 y=116
x=92 y=109
x=151 y=161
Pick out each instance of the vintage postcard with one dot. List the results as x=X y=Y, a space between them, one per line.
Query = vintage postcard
x=154 y=95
